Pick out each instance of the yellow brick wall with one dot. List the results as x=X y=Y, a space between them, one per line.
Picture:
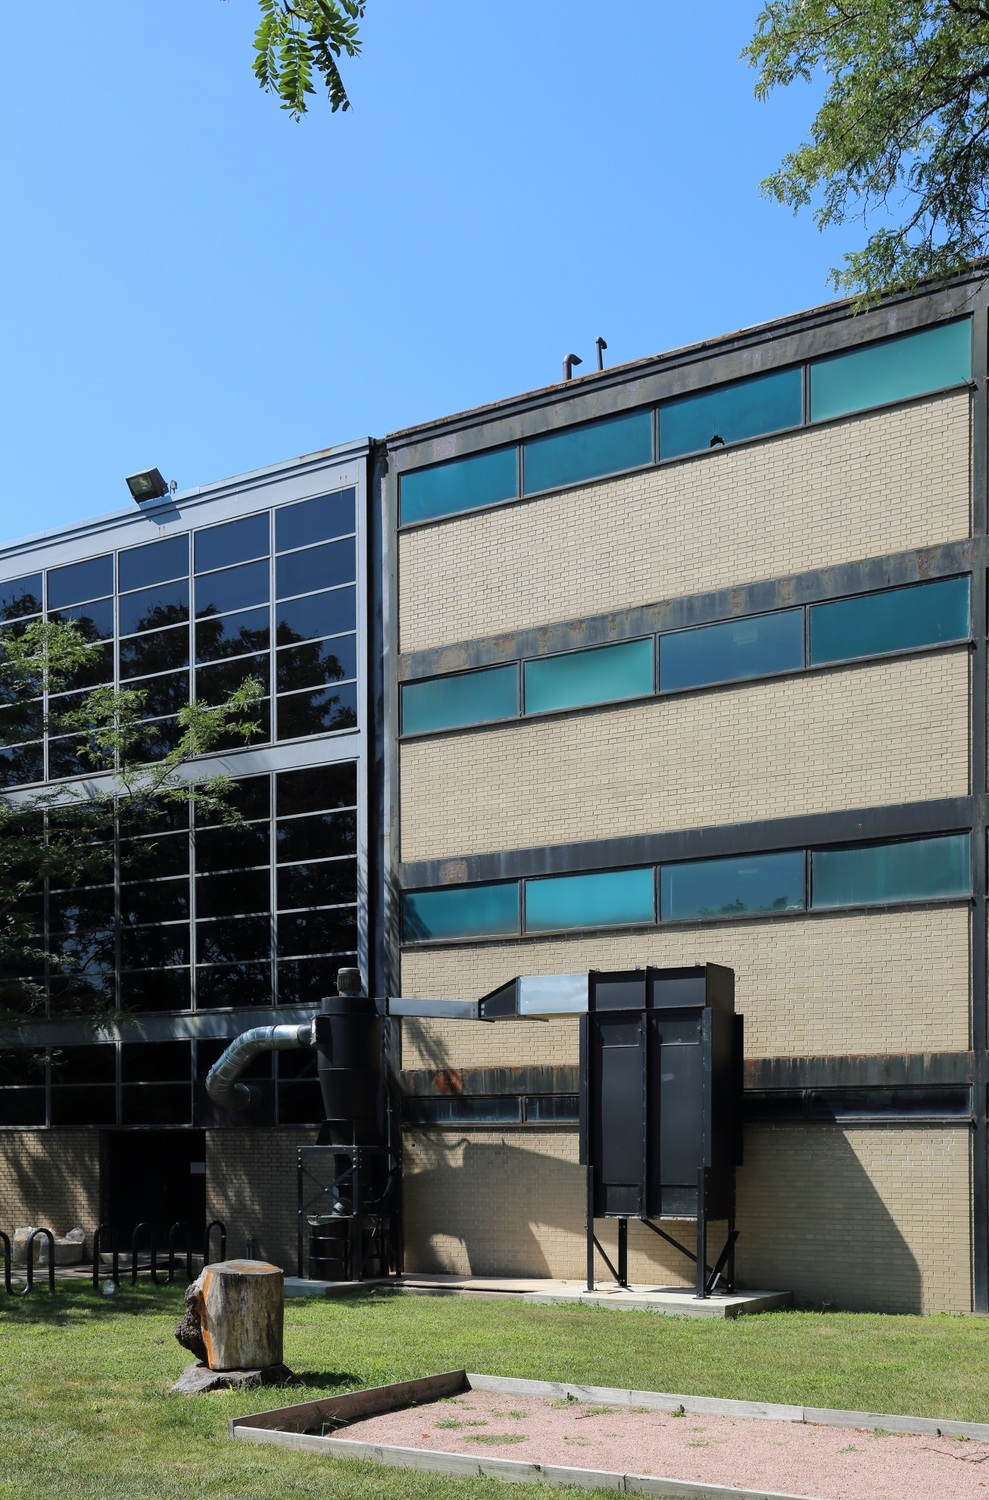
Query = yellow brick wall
x=880 y=981
x=882 y=482
x=251 y=1185
x=894 y=731
x=511 y=1203
x=50 y=1178
x=873 y=1217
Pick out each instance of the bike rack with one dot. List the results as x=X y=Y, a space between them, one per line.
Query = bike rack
x=6 y=1264
x=105 y=1231
x=172 y=1236
x=214 y=1224
x=29 y=1271
x=138 y=1229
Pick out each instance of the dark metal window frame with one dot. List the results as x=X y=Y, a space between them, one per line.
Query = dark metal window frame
x=655 y=407
x=715 y=918
x=806 y=669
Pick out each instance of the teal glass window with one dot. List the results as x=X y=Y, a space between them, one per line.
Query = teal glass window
x=578 y=453
x=730 y=652
x=914 y=870
x=610 y=899
x=463 y=484
x=599 y=675
x=736 y=887
x=923 y=614
x=460 y=911
x=731 y=413
x=894 y=370
x=463 y=698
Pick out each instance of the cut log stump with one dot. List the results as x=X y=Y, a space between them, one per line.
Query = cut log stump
x=238 y=1307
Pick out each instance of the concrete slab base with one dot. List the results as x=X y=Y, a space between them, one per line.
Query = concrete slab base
x=676 y=1300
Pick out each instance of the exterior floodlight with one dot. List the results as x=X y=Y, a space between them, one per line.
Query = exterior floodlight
x=148 y=485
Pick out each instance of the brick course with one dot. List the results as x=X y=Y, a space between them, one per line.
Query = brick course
x=879 y=981
x=879 y=482
x=893 y=731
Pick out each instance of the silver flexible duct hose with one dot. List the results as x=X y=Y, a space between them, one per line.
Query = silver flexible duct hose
x=221 y=1080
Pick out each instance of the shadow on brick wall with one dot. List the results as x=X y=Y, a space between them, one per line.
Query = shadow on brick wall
x=488 y=1208
x=50 y=1180
x=826 y=1221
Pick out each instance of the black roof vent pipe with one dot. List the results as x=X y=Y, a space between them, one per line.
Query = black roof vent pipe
x=569 y=360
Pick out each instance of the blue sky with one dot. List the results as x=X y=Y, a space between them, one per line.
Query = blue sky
x=193 y=281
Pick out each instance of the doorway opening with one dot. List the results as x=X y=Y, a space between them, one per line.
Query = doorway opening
x=153 y=1177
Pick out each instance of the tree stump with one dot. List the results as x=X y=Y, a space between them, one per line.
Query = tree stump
x=239 y=1306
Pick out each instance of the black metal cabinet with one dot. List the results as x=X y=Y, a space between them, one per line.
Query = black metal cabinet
x=660 y=1103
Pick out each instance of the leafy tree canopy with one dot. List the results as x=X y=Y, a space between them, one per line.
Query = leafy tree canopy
x=65 y=833
x=903 y=129
x=297 y=38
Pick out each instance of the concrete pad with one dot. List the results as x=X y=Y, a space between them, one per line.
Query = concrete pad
x=543 y=1290
x=673 y=1301
x=299 y=1286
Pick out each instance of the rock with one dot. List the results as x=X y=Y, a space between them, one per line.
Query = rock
x=234 y=1316
x=197 y=1379
x=69 y=1248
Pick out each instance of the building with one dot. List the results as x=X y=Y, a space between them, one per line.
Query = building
x=212 y=930
x=677 y=662
x=690 y=666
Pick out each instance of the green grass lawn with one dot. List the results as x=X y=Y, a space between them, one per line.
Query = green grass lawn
x=85 y=1410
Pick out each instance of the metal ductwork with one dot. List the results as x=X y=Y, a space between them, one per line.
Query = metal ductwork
x=221 y=1080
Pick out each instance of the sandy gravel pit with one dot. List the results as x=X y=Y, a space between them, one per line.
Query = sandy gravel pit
x=792 y=1458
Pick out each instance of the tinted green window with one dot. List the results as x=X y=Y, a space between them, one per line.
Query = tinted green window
x=609 y=899
x=731 y=413
x=579 y=453
x=732 y=887
x=597 y=676
x=911 y=871
x=922 y=615
x=894 y=370
x=461 y=911
x=467 y=698
x=482 y=479
x=727 y=653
